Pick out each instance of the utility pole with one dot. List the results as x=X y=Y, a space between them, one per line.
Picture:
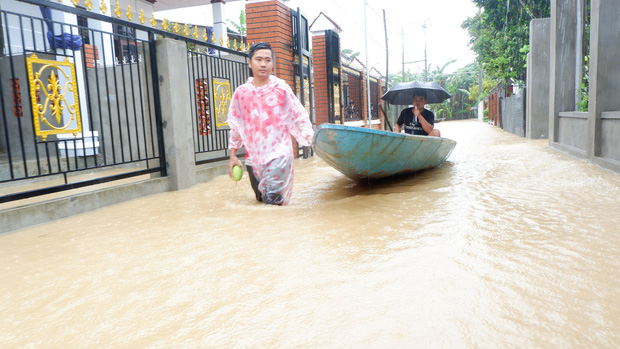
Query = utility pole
x=425 y=60
x=402 y=34
x=367 y=78
x=387 y=64
x=387 y=54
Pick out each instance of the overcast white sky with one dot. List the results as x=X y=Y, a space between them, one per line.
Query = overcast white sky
x=445 y=40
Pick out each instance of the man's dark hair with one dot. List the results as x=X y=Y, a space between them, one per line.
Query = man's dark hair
x=260 y=46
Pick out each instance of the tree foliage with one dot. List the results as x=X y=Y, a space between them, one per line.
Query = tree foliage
x=459 y=84
x=499 y=35
x=239 y=27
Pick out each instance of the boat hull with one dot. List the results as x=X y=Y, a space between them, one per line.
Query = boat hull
x=361 y=153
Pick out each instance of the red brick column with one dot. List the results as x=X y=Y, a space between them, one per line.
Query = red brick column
x=270 y=22
x=381 y=112
x=319 y=61
x=364 y=106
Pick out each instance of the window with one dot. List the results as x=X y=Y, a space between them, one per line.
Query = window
x=126 y=48
x=83 y=28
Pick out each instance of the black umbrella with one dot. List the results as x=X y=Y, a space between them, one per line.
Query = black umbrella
x=402 y=93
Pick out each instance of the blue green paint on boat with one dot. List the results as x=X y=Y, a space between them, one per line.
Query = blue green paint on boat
x=361 y=153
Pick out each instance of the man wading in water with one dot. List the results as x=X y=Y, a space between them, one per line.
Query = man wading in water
x=264 y=113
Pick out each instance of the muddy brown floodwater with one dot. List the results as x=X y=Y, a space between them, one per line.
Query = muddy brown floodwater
x=509 y=244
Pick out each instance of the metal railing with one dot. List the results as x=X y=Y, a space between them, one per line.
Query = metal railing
x=79 y=103
x=213 y=76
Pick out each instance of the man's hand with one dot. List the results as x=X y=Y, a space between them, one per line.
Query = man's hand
x=232 y=162
x=417 y=112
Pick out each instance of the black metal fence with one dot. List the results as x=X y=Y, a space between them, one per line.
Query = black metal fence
x=213 y=77
x=80 y=102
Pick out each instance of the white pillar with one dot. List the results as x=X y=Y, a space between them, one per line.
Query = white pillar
x=79 y=66
x=219 y=21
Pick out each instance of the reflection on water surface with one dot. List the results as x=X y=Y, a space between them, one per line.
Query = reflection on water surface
x=509 y=244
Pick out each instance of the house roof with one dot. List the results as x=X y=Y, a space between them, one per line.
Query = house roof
x=323 y=22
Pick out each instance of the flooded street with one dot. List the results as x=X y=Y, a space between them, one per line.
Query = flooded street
x=509 y=244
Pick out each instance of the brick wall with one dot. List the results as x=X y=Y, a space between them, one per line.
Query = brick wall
x=270 y=22
x=321 y=98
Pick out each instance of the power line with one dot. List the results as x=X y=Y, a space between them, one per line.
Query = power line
x=360 y=26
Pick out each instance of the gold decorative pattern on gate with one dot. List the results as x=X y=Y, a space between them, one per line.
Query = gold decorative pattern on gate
x=55 y=97
x=222 y=96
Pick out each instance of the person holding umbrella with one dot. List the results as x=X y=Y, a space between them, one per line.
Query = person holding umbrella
x=417 y=120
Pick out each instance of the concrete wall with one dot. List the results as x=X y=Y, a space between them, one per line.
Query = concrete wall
x=15 y=68
x=603 y=115
x=117 y=109
x=562 y=65
x=593 y=135
x=537 y=112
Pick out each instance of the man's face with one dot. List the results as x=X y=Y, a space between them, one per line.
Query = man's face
x=261 y=63
x=419 y=102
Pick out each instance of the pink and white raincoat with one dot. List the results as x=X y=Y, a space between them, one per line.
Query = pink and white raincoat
x=264 y=118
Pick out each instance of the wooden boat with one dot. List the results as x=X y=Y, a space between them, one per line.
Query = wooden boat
x=361 y=153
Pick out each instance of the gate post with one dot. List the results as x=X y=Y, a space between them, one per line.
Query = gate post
x=327 y=76
x=175 y=105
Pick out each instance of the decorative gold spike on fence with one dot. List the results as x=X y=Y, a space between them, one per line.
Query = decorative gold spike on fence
x=103 y=7
x=221 y=41
x=153 y=20
x=176 y=28
x=213 y=38
x=196 y=35
x=186 y=30
x=204 y=35
x=129 y=14
x=164 y=24
x=117 y=10
x=235 y=45
x=75 y=2
x=89 y=4
x=141 y=17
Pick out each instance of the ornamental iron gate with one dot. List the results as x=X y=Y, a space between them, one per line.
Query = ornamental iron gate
x=332 y=50
x=302 y=62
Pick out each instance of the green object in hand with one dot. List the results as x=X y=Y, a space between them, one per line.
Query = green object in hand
x=237 y=173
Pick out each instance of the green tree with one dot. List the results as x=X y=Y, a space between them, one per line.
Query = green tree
x=349 y=55
x=239 y=27
x=499 y=35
